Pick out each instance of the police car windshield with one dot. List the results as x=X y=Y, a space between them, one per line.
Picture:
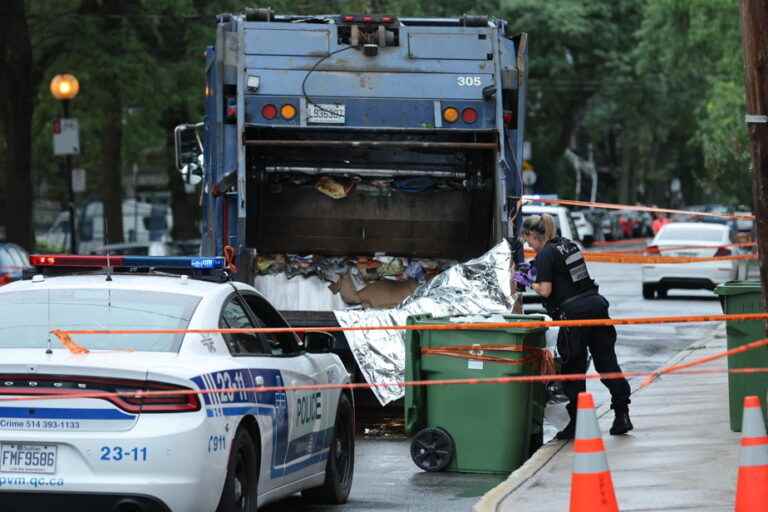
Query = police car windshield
x=26 y=317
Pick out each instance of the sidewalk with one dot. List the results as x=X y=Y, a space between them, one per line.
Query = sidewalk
x=681 y=456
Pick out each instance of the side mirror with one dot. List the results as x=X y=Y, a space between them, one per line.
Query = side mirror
x=318 y=342
x=189 y=152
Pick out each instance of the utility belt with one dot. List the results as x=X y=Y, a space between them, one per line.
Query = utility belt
x=589 y=304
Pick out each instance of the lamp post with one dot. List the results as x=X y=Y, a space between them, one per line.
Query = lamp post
x=64 y=88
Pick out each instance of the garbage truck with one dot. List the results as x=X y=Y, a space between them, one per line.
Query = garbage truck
x=337 y=145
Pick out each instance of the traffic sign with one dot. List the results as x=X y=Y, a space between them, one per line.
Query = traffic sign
x=66 y=137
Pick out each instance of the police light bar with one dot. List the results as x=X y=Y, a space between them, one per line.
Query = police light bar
x=175 y=262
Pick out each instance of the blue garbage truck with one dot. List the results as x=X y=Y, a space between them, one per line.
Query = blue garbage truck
x=353 y=135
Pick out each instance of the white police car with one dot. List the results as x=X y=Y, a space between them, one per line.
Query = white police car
x=223 y=451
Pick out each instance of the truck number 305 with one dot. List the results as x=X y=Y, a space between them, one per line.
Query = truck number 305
x=469 y=81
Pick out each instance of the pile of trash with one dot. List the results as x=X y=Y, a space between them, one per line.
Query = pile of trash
x=376 y=282
x=339 y=187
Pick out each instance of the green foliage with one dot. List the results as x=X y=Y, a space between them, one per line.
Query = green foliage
x=655 y=86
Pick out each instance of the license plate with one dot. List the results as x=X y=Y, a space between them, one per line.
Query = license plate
x=27 y=458
x=326 y=113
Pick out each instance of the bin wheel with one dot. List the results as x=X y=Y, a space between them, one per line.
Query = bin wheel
x=432 y=449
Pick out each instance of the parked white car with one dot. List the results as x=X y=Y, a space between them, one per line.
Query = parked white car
x=563 y=221
x=585 y=228
x=694 y=239
x=215 y=444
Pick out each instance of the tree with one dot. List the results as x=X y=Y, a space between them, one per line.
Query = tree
x=17 y=90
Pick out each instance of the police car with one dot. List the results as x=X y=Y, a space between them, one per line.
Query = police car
x=206 y=446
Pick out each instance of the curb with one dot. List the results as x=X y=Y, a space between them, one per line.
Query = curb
x=492 y=499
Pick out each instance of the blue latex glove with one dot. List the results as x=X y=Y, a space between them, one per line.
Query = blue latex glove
x=525 y=279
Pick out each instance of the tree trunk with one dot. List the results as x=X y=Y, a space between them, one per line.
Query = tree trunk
x=112 y=167
x=754 y=26
x=17 y=107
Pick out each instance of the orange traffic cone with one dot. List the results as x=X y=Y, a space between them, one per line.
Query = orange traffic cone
x=591 y=483
x=752 y=486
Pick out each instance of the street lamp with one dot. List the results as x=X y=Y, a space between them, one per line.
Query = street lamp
x=64 y=88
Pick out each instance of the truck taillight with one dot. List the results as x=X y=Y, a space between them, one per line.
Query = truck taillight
x=288 y=112
x=652 y=250
x=508 y=118
x=450 y=115
x=231 y=111
x=469 y=115
x=269 y=112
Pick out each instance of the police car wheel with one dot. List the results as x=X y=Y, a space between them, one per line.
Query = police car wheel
x=432 y=449
x=242 y=483
x=339 y=468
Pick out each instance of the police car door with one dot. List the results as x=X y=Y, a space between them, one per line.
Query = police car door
x=306 y=432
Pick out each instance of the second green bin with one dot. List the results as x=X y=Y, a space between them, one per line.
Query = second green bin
x=493 y=428
x=744 y=297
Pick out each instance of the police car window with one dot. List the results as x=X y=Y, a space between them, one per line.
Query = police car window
x=282 y=344
x=26 y=317
x=234 y=316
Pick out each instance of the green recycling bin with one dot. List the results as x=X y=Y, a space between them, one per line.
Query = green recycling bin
x=477 y=428
x=744 y=297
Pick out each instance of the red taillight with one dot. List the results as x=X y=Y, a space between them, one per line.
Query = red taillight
x=136 y=400
x=652 y=250
x=387 y=19
x=722 y=251
x=469 y=115
x=349 y=19
x=367 y=19
x=5 y=279
x=158 y=402
x=269 y=112
x=508 y=118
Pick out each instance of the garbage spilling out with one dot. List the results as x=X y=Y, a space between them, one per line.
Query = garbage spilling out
x=371 y=282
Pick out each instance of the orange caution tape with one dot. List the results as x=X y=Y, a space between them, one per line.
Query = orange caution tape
x=482 y=326
x=64 y=394
x=639 y=258
x=617 y=206
x=69 y=343
x=477 y=353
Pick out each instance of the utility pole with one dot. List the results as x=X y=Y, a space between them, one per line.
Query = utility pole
x=754 y=36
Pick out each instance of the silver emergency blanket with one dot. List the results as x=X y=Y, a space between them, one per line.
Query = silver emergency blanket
x=481 y=286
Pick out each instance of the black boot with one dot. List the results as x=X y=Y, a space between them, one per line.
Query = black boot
x=568 y=433
x=621 y=423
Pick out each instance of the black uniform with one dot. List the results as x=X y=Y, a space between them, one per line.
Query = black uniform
x=575 y=296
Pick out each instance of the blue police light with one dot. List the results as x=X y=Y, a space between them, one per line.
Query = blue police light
x=177 y=262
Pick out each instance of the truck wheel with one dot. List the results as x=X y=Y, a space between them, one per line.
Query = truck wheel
x=242 y=484
x=339 y=469
x=432 y=449
x=649 y=291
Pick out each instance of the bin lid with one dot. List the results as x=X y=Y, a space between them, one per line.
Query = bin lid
x=738 y=287
x=493 y=318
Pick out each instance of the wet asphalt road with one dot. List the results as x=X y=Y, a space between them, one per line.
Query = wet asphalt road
x=386 y=478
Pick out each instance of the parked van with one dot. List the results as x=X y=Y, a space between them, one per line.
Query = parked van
x=142 y=223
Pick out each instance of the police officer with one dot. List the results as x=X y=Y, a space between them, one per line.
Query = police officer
x=559 y=274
